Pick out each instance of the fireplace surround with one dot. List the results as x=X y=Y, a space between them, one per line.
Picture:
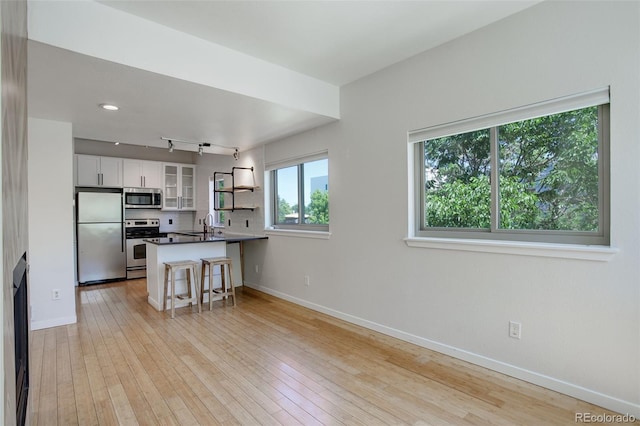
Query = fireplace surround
x=21 y=334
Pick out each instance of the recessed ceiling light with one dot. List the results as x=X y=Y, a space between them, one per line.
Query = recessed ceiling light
x=109 y=107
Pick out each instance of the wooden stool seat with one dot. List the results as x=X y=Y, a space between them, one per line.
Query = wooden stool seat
x=170 y=268
x=224 y=292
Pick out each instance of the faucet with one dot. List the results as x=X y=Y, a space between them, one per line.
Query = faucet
x=208 y=225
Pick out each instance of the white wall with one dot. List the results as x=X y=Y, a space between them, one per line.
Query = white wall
x=208 y=164
x=580 y=319
x=51 y=254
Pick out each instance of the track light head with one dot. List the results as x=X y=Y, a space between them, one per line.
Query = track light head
x=170 y=146
x=236 y=154
x=200 y=150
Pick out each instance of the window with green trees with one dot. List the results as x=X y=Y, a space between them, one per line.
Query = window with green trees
x=301 y=195
x=541 y=179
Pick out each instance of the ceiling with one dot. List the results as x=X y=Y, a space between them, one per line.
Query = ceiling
x=336 y=42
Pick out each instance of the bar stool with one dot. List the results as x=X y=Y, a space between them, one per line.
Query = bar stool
x=211 y=262
x=170 y=268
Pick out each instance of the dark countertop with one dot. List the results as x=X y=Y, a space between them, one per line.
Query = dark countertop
x=186 y=238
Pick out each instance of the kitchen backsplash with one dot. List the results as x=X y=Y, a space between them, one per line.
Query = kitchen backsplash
x=180 y=221
x=239 y=221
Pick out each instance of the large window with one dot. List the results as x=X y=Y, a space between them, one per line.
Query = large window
x=301 y=195
x=541 y=179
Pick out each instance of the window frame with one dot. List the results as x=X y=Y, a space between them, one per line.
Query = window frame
x=216 y=202
x=273 y=177
x=600 y=237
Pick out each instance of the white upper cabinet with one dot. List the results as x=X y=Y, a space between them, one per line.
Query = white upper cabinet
x=179 y=186
x=142 y=174
x=93 y=170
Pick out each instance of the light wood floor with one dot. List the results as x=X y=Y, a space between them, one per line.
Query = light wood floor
x=265 y=361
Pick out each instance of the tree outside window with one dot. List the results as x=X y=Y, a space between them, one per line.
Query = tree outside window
x=548 y=176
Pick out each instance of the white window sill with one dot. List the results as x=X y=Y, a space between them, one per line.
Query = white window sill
x=321 y=235
x=562 y=251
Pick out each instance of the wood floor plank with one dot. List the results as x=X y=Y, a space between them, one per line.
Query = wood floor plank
x=36 y=353
x=264 y=362
x=252 y=392
x=147 y=338
x=86 y=411
x=67 y=411
x=275 y=363
x=48 y=401
x=332 y=371
x=140 y=335
x=290 y=383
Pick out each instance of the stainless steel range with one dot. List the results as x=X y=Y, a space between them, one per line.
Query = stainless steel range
x=136 y=230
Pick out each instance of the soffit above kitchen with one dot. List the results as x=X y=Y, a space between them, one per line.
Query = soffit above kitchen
x=232 y=73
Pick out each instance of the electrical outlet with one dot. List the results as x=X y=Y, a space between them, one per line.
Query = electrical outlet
x=515 y=330
x=307 y=281
x=170 y=221
x=55 y=294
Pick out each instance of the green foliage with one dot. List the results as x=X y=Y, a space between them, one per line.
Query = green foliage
x=548 y=175
x=458 y=157
x=460 y=204
x=518 y=205
x=283 y=209
x=317 y=212
x=318 y=209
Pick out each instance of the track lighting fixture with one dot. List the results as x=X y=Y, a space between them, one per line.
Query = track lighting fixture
x=201 y=145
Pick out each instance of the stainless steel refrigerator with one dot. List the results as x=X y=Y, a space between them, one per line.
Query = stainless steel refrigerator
x=101 y=245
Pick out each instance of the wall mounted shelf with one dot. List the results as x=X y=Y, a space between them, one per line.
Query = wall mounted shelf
x=233 y=189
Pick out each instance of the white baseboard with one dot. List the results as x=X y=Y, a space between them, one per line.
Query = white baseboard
x=579 y=392
x=153 y=302
x=55 y=322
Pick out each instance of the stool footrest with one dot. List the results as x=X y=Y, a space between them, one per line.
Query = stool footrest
x=185 y=297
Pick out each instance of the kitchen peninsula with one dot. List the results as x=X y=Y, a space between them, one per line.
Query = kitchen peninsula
x=185 y=246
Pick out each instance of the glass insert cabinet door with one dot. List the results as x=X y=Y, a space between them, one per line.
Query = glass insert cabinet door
x=179 y=187
x=170 y=186
x=187 y=186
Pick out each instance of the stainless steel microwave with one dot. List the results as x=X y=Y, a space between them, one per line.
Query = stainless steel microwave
x=142 y=198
